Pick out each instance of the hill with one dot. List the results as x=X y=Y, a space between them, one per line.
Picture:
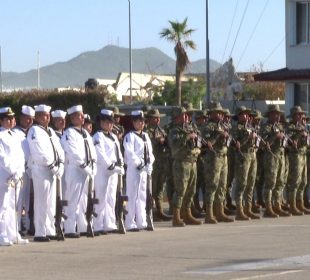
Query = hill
x=105 y=63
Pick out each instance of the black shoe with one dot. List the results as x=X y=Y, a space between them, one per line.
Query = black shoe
x=72 y=235
x=133 y=230
x=52 y=237
x=112 y=231
x=30 y=232
x=41 y=239
x=100 y=232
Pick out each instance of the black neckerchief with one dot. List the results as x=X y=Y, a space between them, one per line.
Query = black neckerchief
x=56 y=161
x=146 y=156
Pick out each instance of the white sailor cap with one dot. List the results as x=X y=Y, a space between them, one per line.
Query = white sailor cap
x=6 y=112
x=27 y=110
x=74 y=109
x=87 y=119
x=106 y=114
x=137 y=114
x=58 y=114
x=42 y=108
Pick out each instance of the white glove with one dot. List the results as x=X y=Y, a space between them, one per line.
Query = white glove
x=149 y=169
x=119 y=170
x=94 y=168
x=88 y=171
x=61 y=170
x=54 y=170
x=15 y=179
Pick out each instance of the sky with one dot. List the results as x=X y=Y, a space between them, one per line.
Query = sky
x=250 y=31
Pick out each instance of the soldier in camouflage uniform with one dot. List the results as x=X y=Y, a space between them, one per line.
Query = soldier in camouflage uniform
x=297 y=156
x=245 y=164
x=185 y=151
x=215 y=165
x=118 y=129
x=274 y=162
x=306 y=191
x=161 y=152
x=200 y=118
x=259 y=180
x=230 y=163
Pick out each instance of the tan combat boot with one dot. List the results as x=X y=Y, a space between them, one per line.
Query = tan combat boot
x=249 y=213
x=210 y=219
x=301 y=207
x=240 y=216
x=278 y=210
x=220 y=215
x=160 y=215
x=269 y=213
x=293 y=209
x=189 y=219
x=176 y=220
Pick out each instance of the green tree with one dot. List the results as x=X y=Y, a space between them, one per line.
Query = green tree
x=178 y=33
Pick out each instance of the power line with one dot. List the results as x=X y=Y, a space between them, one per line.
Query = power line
x=229 y=33
x=245 y=10
x=252 y=34
x=273 y=51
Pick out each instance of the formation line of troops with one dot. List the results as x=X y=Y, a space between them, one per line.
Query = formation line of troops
x=64 y=181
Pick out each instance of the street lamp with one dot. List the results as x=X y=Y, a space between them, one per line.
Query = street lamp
x=208 y=94
x=38 y=70
x=130 y=53
x=0 y=69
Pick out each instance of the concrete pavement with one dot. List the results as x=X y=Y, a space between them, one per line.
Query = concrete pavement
x=264 y=249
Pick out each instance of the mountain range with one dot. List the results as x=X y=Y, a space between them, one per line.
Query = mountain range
x=105 y=63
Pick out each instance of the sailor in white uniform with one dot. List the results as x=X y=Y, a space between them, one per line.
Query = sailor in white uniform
x=12 y=167
x=80 y=165
x=47 y=158
x=59 y=121
x=109 y=166
x=139 y=158
x=25 y=122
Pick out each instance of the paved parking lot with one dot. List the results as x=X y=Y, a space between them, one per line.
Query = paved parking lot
x=264 y=249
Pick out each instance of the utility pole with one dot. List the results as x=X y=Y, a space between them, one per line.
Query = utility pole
x=0 y=69
x=38 y=70
x=130 y=54
x=208 y=94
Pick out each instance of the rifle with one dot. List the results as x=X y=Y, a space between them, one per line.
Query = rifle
x=120 y=203
x=31 y=229
x=90 y=212
x=60 y=203
x=149 y=204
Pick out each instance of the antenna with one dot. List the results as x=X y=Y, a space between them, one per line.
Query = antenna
x=38 y=69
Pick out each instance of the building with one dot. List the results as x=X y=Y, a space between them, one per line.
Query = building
x=296 y=74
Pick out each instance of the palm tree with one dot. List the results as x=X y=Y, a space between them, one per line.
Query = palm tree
x=179 y=33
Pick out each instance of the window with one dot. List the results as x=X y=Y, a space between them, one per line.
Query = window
x=303 y=22
x=302 y=96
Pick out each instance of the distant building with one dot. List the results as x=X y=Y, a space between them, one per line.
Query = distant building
x=296 y=74
x=142 y=85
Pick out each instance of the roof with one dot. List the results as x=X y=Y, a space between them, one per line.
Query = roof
x=283 y=74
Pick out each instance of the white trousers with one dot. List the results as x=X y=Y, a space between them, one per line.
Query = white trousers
x=105 y=188
x=136 y=191
x=44 y=187
x=76 y=193
x=4 y=201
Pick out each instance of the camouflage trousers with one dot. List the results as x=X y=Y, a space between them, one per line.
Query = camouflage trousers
x=245 y=175
x=274 y=170
x=297 y=175
x=184 y=176
x=215 y=171
x=160 y=176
